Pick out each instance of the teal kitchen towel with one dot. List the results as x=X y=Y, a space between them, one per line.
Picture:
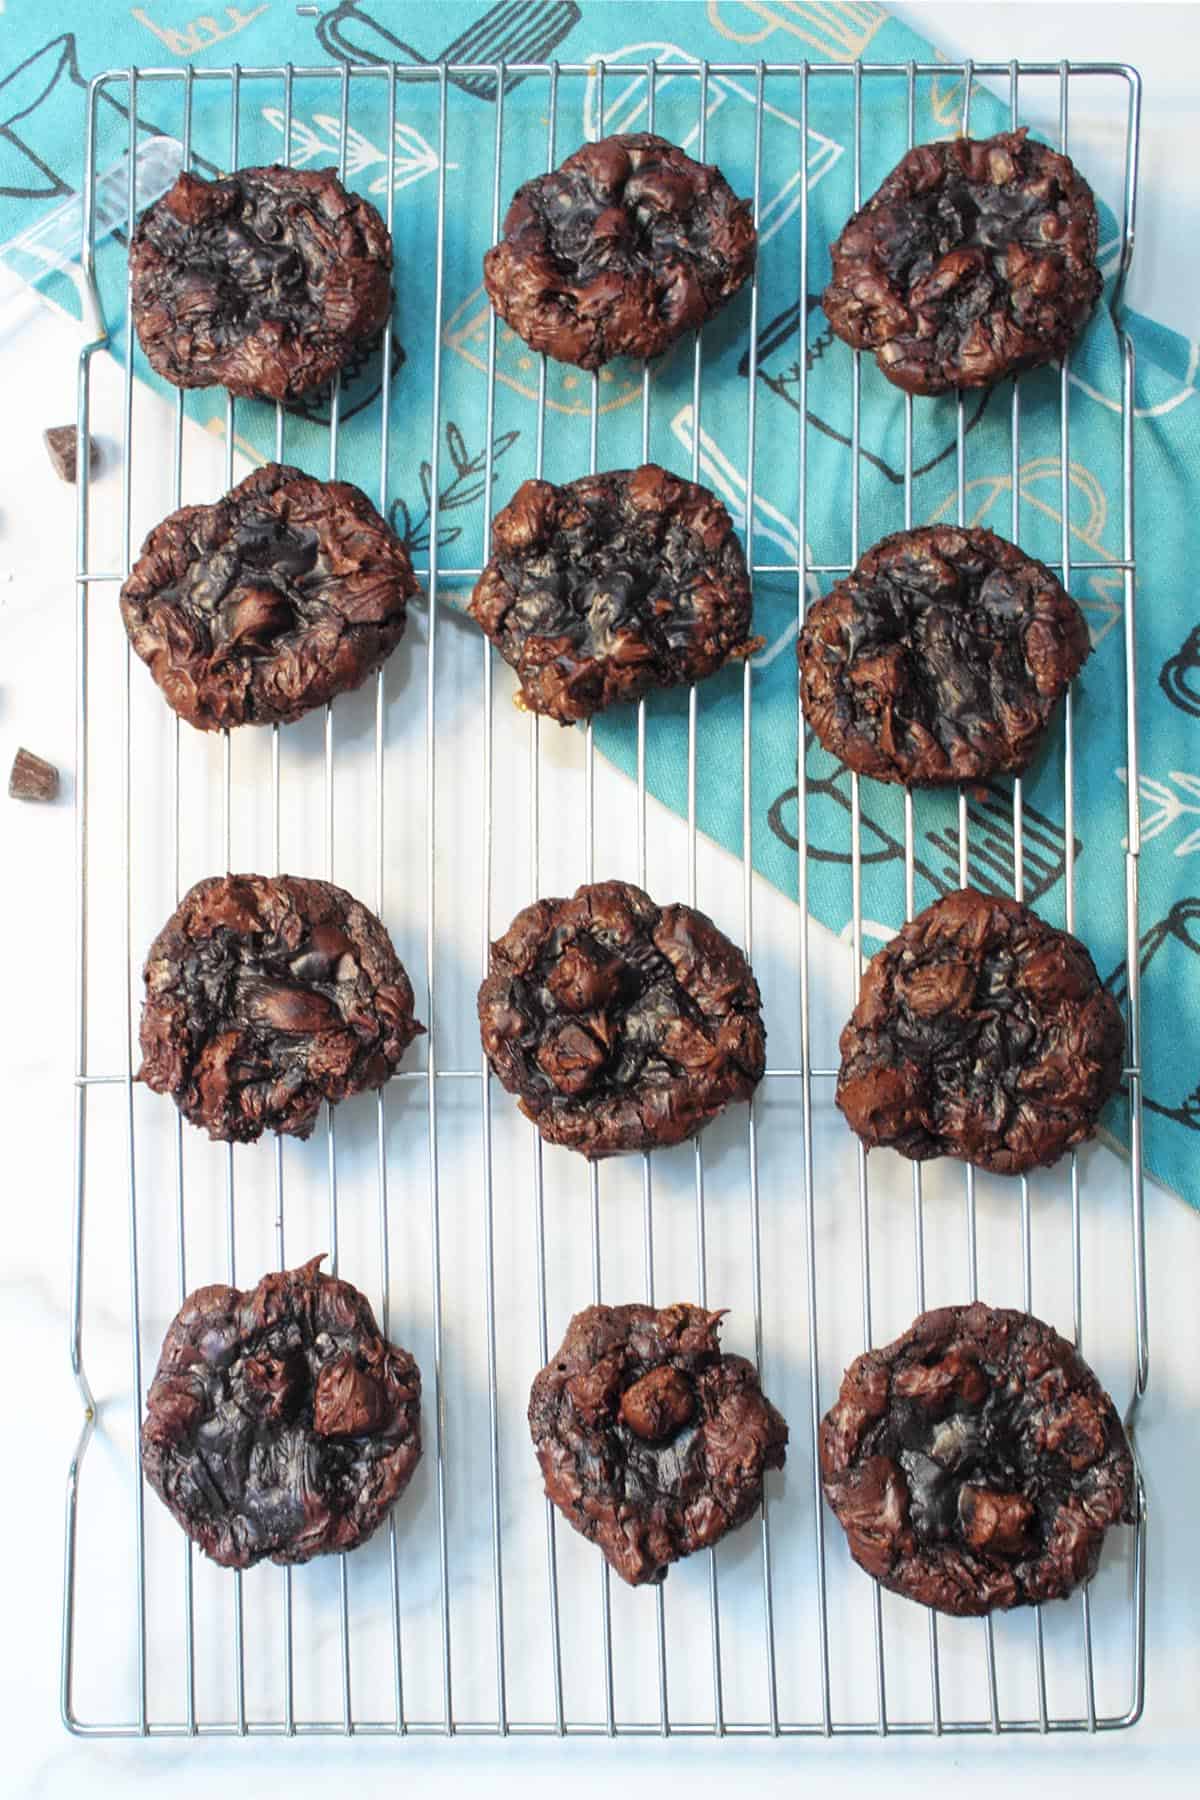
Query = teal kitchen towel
x=447 y=136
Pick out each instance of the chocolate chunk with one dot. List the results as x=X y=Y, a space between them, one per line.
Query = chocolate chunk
x=619 y=252
x=651 y=1441
x=671 y=1035
x=940 y=658
x=999 y=1522
x=980 y=1033
x=658 y=1404
x=263 y=282
x=965 y=1497
x=975 y=259
x=60 y=442
x=280 y=1423
x=32 y=778
x=347 y=1400
x=283 y=594
x=255 y=1013
x=599 y=591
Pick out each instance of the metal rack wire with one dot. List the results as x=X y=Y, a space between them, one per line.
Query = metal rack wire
x=338 y=1711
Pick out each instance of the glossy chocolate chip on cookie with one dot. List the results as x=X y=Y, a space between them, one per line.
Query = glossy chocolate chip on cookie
x=285 y=593
x=975 y=259
x=976 y=1463
x=620 y=251
x=940 y=658
x=262 y=282
x=620 y=1025
x=611 y=586
x=980 y=1033
x=652 y=1442
x=280 y=1423
x=266 y=996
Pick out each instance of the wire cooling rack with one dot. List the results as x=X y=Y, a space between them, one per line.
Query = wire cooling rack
x=474 y=1612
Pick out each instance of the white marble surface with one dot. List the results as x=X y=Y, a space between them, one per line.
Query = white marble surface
x=36 y=707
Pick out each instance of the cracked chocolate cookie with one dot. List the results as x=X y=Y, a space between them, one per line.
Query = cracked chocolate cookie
x=619 y=251
x=265 y=996
x=273 y=600
x=620 y=1025
x=608 y=587
x=975 y=259
x=262 y=282
x=976 y=1463
x=980 y=1033
x=653 y=1443
x=280 y=1423
x=940 y=658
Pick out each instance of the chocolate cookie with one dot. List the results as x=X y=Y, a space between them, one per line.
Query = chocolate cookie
x=268 y=603
x=610 y=586
x=980 y=1033
x=976 y=1463
x=618 y=252
x=279 y=1422
x=652 y=1442
x=940 y=658
x=262 y=282
x=619 y=1024
x=976 y=258
x=265 y=996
